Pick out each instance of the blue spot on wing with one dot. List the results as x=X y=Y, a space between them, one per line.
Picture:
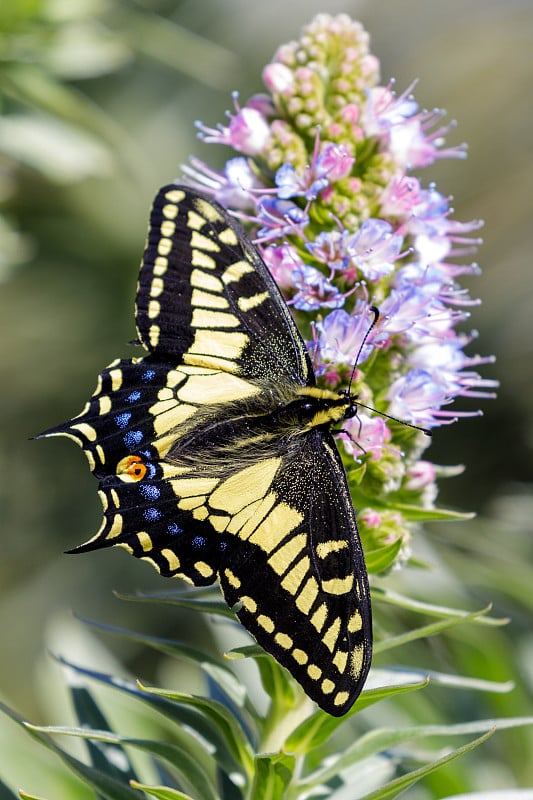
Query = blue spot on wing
x=174 y=529
x=132 y=439
x=148 y=375
x=149 y=491
x=199 y=541
x=133 y=397
x=122 y=420
x=151 y=514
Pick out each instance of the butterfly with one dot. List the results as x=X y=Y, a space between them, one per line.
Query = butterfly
x=215 y=454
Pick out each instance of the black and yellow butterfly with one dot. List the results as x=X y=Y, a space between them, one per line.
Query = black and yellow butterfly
x=215 y=455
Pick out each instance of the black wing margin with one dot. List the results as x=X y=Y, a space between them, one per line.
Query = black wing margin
x=306 y=599
x=206 y=296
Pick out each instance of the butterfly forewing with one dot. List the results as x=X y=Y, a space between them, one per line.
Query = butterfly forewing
x=201 y=473
x=206 y=296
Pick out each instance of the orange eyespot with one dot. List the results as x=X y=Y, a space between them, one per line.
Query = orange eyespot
x=131 y=468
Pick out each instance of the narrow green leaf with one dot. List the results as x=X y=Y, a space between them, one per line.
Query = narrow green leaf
x=397 y=599
x=498 y=794
x=219 y=715
x=318 y=727
x=179 y=713
x=7 y=794
x=103 y=758
x=193 y=600
x=398 y=785
x=419 y=514
x=384 y=739
x=399 y=675
x=410 y=512
x=381 y=559
x=276 y=681
x=463 y=682
x=35 y=88
x=107 y=786
x=273 y=773
x=219 y=673
x=60 y=151
x=22 y=794
x=245 y=651
x=192 y=773
x=425 y=631
x=182 y=49
x=162 y=792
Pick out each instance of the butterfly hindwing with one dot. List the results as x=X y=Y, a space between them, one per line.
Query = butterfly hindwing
x=297 y=578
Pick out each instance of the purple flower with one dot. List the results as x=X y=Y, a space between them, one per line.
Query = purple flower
x=374 y=249
x=278 y=218
x=365 y=434
x=232 y=187
x=290 y=184
x=401 y=197
x=415 y=397
x=278 y=78
x=404 y=131
x=334 y=162
x=331 y=248
x=247 y=132
x=314 y=290
x=282 y=260
x=340 y=336
x=420 y=475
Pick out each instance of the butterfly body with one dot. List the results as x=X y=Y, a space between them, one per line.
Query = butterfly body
x=215 y=455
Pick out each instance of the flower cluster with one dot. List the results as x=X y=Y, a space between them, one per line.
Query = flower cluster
x=324 y=181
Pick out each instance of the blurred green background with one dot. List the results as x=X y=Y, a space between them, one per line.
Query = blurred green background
x=98 y=101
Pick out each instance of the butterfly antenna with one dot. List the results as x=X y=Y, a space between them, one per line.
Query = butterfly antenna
x=396 y=419
x=372 y=325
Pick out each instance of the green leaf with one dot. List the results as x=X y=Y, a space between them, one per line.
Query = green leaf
x=392 y=676
x=273 y=773
x=220 y=716
x=397 y=599
x=317 y=728
x=275 y=679
x=59 y=151
x=498 y=794
x=107 y=786
x=7 y=794
x=463 y=682
x=192 y=773
x=181 y=714
x=162 y=792
x=276 y=682
x=382 y=558
x=34 y=88
x=85 y=49
x=398 y=785
x=425 y=631
x=106 y=758
x=219 y=673
x=383 y=740
x=409 y=512
x=182 y=49
x=245 y=651
x=206 y=601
